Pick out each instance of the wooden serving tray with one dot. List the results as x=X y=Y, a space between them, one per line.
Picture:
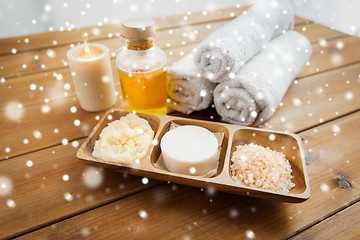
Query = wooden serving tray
x=234 y=135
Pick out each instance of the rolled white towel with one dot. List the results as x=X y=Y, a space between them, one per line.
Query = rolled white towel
x=228 y=48
x=256 y=90
x=187 y=90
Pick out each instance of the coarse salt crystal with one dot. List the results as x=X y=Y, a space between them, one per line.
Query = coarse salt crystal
x=261 y=168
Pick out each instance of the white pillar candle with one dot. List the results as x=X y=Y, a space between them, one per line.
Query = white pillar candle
x=92 y=75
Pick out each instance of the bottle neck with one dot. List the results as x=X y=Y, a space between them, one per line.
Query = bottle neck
x=139 y=46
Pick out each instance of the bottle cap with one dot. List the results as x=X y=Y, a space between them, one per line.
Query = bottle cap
x=138 y=29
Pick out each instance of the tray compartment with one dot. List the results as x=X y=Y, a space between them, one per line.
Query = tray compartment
x=281 y=142
x=110 y=116
x=213 y=127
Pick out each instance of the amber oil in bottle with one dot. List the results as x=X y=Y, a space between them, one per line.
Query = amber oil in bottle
x=142 y=68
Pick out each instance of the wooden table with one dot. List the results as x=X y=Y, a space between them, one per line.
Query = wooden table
x=47 y=193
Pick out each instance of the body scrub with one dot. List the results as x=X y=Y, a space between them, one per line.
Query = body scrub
x=256 y=166
x=190 y=150
x=126 y=140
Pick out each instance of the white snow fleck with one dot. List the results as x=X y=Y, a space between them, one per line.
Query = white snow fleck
x=65 y=177
x=211 y=191
x=14 y=110
x=77 y=122
x=68 y=197
x=5 y=186
x=92 y=177
x=234 y=213
x=50 y=53
x=67 y=86
x=145 y=180
x=143 y=214
x=296 y=101
x=37 y=134
x=106 y=79
x=33 y=87
x=155 y=142
x=323 y=42
x=29 y=163
x=324 y=187
x=134 y=7
x=75 y=144
x=59 y=76
x=11 y=203
x=45 y=109
x=272 y=137
x=85 y=232
x=349 y=96
x=253 y=114
x=64 y=141
x=47 y=8
x=336 y=129
x=250 y=234
x=73 y=109
x=231 y=75
x=340 y=45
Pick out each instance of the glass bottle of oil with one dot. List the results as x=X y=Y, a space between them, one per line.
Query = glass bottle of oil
x=142 y=68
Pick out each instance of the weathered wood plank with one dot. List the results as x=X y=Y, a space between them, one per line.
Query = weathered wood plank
x=309 y=102
x=173 y=211
x=50 y=86
x=340 y=226
x=332 y=54
x=55 y=58
x=48 y=59
x=18 y=89
x=317 y=32
x=53 y=184
x=42 y=60
x=41 y=126
x=45 y=40
x=319 y=98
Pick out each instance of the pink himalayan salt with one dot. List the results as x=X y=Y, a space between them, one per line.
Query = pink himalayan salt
x=259 y=167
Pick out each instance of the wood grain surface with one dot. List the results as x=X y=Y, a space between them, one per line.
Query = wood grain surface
x=175 y=211
x=59 y=115
x=47 y=193
x=336 y=226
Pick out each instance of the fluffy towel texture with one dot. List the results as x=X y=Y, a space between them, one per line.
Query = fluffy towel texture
x=256 y=90
x=187 y=90
x=231 y=46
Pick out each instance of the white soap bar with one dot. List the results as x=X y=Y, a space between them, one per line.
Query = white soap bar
x=190 y=150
